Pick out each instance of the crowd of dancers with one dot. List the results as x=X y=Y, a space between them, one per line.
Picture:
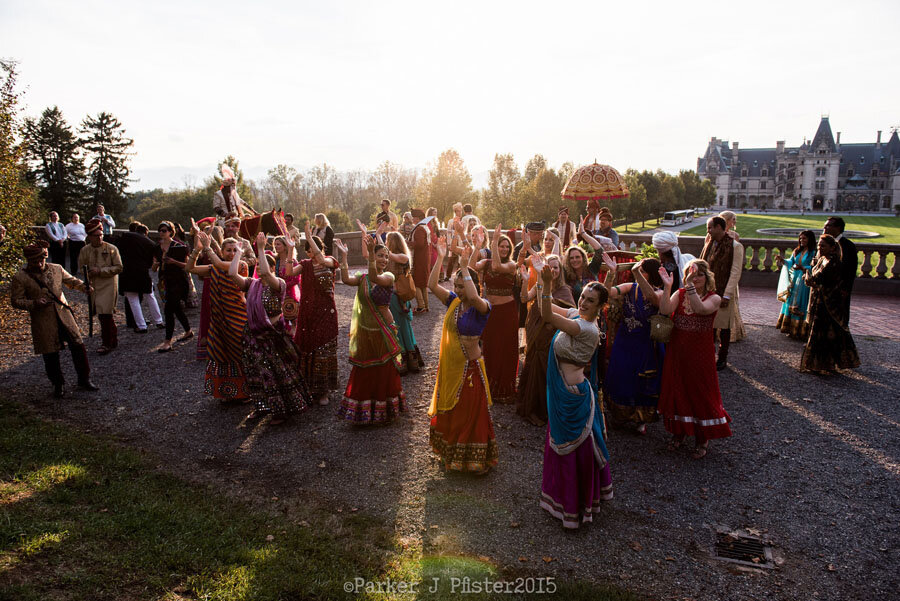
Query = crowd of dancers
x=268 y=326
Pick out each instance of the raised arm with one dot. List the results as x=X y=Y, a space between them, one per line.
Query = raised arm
x=668 y=301
x=549 y=313
x=191 y=265
x=234 y=268
x=439 y=291
x=318 y=255
x=496 y=264
x=385 y=278
x=526 y=294
x=647 y=290
x=700 y=307
x=346 y=278
x=265 y=274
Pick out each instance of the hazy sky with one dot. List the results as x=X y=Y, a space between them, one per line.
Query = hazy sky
x=632 y=84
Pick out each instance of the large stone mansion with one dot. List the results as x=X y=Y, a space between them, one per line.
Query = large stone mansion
x=822 y=175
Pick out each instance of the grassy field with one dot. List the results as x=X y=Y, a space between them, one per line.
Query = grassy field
x=84 y=519
x=888 y=227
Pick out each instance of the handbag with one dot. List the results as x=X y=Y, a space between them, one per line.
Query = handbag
x=404 y=285
x=661 y=327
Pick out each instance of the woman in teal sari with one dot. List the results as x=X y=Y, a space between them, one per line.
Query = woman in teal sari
x=792 y=290
x=576 y=475
x=374 y=391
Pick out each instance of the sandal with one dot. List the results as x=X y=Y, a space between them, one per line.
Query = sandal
x=186 y=336
x=700 y=451
x=674 y=444
x=165 y=349
x=104 y=350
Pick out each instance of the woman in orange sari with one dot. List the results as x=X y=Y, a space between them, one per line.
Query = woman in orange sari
x=461 y=432
x=228 y=315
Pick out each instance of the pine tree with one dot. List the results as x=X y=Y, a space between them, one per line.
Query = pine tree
x=108 y=150
x=56 y=164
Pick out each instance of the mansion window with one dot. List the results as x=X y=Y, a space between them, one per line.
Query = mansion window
x=875 y=172
x=886 y=202
x=743 y=185
x=762 y=185
x=849 y=171
x=820 y=185
x=743 y=173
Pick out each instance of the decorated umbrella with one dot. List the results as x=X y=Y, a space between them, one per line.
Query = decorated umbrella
x=595 y=183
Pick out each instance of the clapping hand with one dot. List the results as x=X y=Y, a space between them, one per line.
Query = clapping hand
x=537 y=262
x=665 y=276
x=339 y=244
x=546 y=275
x=261 y=240
x=442 y=247
x=609 y=262
x=466 y=254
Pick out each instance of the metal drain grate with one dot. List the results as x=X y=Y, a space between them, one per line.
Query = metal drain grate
x=743 y=550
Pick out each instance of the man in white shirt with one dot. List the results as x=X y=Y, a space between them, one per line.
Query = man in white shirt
x=76 y=235
x=106 y=221
x=56 y=234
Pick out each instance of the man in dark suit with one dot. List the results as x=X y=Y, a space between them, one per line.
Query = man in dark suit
x=834 y=226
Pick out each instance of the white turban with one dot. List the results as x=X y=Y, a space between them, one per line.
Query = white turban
x=668 y=241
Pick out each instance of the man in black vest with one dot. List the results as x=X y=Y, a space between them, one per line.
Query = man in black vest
x=834 y=226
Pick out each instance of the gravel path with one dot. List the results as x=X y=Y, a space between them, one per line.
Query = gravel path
x=813 y=467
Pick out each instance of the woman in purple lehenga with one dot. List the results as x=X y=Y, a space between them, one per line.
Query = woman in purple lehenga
x=576 y=475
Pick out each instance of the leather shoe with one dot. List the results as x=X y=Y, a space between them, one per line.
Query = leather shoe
x=720 y=365
x=58 y=391
x=137 y=331
x=88 y=385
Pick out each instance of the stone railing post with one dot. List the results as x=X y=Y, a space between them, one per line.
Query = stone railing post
x=882 y=265
x=866 y=267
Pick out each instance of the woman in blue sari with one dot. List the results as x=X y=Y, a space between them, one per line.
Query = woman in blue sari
x=576 y=474
x=635 y=363
x=792 y=290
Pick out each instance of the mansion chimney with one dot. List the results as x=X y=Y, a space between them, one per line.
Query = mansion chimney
x=779 y=147
x=838 y=141
x=878 y=141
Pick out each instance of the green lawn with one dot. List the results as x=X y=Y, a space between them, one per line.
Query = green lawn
x=84 y=519
x=888 y=227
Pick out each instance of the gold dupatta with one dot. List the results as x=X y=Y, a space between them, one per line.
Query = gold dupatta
x=452 y=365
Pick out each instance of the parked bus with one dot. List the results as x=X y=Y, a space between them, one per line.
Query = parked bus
x=678 y=217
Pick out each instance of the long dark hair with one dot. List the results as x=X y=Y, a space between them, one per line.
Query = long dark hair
x=472 y=274
x=651 y=268
x=830 y=241
x=810 y=243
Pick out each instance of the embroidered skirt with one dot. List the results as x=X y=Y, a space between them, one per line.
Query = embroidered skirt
x=573 y=485
x=320 y=368
x=374 y=395
x=464 y=436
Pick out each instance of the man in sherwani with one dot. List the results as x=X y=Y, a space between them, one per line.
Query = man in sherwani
x=725 y=256
x=37 y=288
x=104 y=264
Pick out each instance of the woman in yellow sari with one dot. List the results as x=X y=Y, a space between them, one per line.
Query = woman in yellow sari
x=462 y=433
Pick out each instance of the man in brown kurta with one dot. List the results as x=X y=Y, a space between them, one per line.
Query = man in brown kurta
x=725 y=256
x=104 y=266
x=37 y=288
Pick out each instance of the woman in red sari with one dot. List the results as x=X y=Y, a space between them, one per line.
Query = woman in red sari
x=501 y=335
x=461 y=432
x=690 y=402
x=374 y=391
x=317 y=323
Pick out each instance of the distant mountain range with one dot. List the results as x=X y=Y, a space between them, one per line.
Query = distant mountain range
x=179 y=177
